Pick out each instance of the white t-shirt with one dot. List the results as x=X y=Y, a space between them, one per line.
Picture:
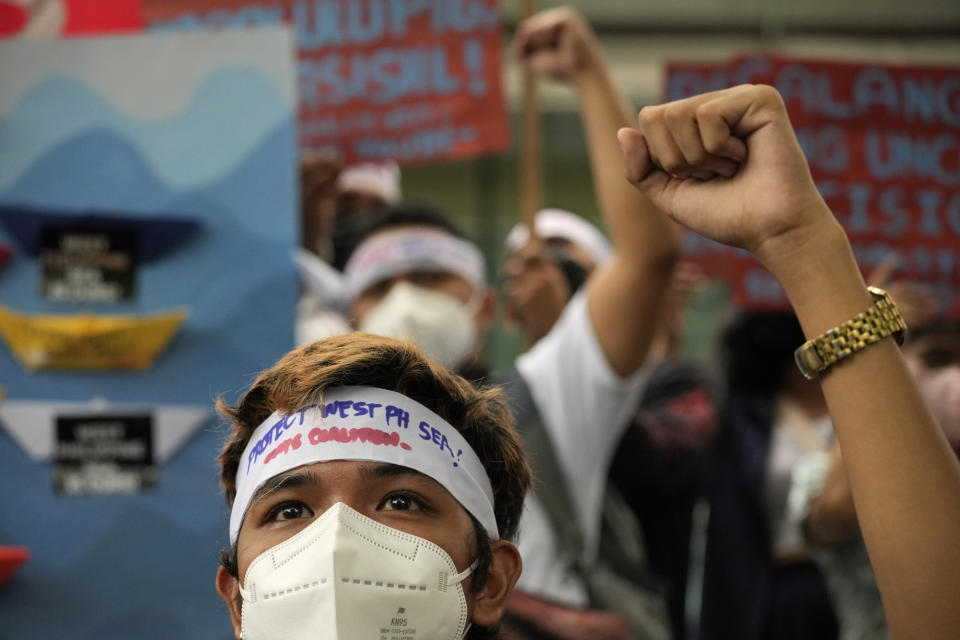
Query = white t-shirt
x=585 y=407
x=793 y=436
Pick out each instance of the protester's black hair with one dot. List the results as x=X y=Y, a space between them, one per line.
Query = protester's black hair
x=936 y=327
x=403 y=215
x=756 y=348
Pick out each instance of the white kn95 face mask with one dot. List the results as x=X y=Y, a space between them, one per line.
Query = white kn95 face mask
x=347 y=576
x=439 y=324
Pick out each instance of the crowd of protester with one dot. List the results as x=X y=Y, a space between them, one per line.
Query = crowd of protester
x=834 y=504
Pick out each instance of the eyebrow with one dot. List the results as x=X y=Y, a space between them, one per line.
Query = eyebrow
x=389 y=470
x=284 y=481
x=302 y=477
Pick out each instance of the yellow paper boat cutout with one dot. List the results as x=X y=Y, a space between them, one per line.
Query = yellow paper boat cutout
x=86 y=341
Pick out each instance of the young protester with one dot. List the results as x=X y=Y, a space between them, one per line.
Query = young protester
x=333 y=195
x=655 y=474
x=658 y=468
x=335 y=202
x=728 y=165
x=762 y=577
x=759 y=581
x=374 y=494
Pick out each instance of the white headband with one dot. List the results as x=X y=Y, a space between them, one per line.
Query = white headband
x=381 y=179
x=558 y=223
x=365 y=423
x=394 y=252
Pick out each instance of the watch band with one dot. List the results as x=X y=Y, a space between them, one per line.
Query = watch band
x=867 y=327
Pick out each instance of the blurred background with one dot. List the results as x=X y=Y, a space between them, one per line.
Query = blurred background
x=142 y=565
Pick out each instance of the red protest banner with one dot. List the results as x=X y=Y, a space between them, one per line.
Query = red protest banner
x=686 y=79
x=53 y=18
x=883 y=144
x=380 y=79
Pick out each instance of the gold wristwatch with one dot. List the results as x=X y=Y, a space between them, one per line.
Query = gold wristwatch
x=879 y=321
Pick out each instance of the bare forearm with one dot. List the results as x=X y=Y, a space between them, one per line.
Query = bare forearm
x=637 y=229
x=625 y=296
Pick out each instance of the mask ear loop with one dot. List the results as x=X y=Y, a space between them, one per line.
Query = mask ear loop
x=460 y=577
x=245 y=594
x=463 y=575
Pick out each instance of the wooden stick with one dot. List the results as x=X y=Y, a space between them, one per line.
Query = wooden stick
x=530 y=167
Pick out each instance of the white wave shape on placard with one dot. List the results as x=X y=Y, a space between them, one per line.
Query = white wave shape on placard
x=32 y=423
x=226 y=119
x=148 y=76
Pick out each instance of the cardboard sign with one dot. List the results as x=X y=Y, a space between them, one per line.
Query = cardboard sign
x=407 y=81
x=883 y=144
x=87 y=265
x=104 y=454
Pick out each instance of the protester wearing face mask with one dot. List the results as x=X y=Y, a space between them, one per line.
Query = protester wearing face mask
x=414 y=276
x=362 y=189
x=821 y=498
x=335 y=203
x=333 y=197
x=373 y=494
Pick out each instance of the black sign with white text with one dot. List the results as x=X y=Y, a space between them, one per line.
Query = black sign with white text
x=86 y=264
x=104 y=454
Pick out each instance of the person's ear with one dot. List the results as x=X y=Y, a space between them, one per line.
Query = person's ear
x=487 y=312
x=504 y=571
x=229 y=589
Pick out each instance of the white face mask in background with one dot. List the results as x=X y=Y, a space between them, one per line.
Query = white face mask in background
x=442 y=326
x=347 y=576
x=941 y=388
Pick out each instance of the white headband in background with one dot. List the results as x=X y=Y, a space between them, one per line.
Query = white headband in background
x=368 y=424
x=379 y=179
x=391 y=253
x=559 y=223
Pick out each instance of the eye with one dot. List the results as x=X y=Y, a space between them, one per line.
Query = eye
x=534 y=261
x=289 y=511
x=401 y=502
x=428 y=278
x=378 y=289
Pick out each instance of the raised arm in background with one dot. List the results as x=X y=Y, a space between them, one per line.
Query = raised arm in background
x=624 y=296
x=727 y=164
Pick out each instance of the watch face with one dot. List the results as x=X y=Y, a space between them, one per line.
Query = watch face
x=808 y=360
